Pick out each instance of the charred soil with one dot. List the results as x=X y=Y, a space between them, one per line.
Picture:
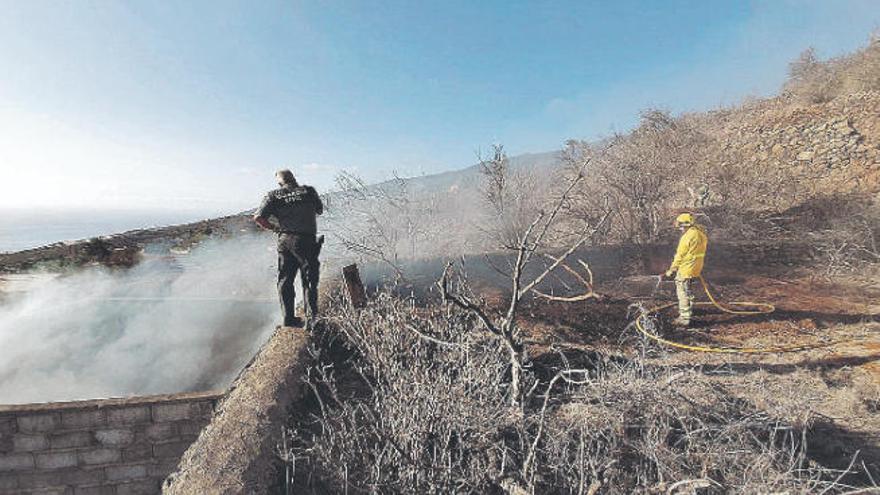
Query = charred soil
x=837 y=379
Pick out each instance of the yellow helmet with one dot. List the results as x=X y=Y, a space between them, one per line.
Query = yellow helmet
x=684 y=219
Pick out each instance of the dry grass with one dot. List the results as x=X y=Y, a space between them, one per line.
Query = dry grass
x=418 y=403
x=814 y=81
x=416 y=409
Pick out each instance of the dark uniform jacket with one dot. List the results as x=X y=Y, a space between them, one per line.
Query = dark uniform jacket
x=294 y=207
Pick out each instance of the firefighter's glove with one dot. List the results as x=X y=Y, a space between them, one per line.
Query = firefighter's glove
x=669 y=275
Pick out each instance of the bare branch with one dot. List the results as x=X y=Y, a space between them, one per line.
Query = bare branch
x=429 y=338
x=560 y=202
x=464 y=302
x=588 y=284
x=574 y=247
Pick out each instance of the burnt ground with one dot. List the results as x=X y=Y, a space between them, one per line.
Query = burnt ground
x=835 y=385
x=832 y=392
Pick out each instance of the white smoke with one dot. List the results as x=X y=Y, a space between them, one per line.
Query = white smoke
x=167 y=325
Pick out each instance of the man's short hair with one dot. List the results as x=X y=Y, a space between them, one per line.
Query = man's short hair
x=286 y=177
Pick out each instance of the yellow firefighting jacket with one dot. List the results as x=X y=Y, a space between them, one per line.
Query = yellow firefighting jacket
x=688 y=261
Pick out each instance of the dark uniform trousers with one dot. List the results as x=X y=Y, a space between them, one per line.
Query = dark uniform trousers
x=297 y=252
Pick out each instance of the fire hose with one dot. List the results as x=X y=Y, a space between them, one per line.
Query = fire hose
x=759 y=309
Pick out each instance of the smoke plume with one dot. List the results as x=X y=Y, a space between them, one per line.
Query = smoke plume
x=167 y=325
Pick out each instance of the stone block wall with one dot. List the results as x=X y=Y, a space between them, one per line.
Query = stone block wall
x=824 y=148
x=237 y=453
x=112 y=447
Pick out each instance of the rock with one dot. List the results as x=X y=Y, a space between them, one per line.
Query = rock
x=777 y=150
x=844 y=128
x=805 y=156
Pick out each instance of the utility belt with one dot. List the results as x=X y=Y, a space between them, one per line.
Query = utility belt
x=317 y=240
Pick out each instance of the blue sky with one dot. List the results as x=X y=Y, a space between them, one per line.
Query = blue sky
x=192 y=105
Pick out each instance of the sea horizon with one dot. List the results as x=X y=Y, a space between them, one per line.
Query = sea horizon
x=22 y=229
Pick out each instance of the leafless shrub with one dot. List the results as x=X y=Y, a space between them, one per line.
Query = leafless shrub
x=525 y=239
x=628 y=428
x=511 y=197
x=814 y=81
x=810 y=79
x=387 y=222
x=850 y=243
x=429 y=414
x=746 y=189
x=656 y=167
x=421 y=407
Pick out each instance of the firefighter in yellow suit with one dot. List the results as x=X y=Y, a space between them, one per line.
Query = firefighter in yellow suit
x=687 y=265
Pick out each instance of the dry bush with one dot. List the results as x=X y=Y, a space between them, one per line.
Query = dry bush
x=814 y=81
x=423 y=408
x=630 y=429
x=525 y=224
x=741 y=187
x=388 y=222
x=420 y=405
x=842 y=231
x=658 y=166
x=847 y=237
x=511 y=198
x=811 y=80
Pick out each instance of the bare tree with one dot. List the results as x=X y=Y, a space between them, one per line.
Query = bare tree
x=511 y=198
x=386 y=222
x=642 y=174
x=531 y=240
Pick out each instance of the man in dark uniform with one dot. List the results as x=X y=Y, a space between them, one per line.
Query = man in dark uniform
x=295 y=209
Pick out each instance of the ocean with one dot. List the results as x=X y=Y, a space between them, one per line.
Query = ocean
x=25 y=229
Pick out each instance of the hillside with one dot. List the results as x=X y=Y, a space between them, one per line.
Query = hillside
x=478 y=374
x=828 y=148
x=470 y=177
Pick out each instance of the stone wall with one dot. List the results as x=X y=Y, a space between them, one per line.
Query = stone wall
x=113 y=447
x=237 y=453
x=828 y=148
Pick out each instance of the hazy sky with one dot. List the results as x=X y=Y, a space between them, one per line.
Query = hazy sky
x=193 y=104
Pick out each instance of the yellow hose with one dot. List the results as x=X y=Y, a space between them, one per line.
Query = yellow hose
x=761 y=308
